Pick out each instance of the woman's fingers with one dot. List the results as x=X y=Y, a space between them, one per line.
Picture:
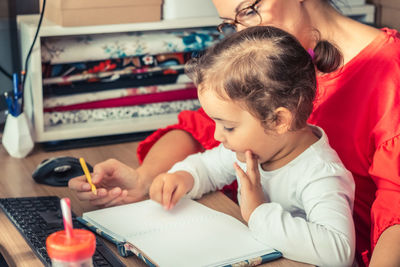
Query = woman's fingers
x=79 y=184
x=104 y=169
x=103 y=197
x=118 y=200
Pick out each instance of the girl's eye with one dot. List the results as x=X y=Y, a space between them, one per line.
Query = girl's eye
x=229 y=129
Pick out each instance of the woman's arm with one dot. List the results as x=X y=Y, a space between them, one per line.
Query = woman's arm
x=387 y=248
x=385 y=212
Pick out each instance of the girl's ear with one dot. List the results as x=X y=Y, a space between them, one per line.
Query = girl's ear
x=284 y=119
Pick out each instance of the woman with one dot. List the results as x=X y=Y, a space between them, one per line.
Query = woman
x=358 y=106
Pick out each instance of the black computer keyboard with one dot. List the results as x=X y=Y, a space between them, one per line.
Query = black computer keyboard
x=38 y=217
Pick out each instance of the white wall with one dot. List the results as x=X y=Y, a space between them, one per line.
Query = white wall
x=7 y=50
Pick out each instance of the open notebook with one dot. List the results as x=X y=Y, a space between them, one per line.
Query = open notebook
x=190 y=234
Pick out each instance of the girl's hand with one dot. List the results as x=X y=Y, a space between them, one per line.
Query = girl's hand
x=168 y=188
x=252 y=194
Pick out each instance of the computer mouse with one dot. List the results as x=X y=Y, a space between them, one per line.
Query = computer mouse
x=58 y=171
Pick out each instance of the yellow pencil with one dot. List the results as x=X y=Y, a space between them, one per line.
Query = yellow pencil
x=87 y=174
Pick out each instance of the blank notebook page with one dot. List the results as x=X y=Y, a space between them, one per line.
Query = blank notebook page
x=190 y=234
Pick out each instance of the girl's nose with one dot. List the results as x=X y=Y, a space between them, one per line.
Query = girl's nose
x=218 y=134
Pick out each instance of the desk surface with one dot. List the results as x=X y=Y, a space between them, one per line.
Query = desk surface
x=16 y=181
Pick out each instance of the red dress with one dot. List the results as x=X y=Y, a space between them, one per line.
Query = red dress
x=358 y=106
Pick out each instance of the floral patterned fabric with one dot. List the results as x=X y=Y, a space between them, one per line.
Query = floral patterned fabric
x=120 y=113
x=68 y=49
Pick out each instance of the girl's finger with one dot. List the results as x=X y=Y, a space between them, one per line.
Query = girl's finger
x=168 y=191
x=252 y=167
x=178 y=194
x=244 y=180
x=156 y=190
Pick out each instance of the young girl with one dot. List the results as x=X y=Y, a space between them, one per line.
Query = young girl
x=258 y=85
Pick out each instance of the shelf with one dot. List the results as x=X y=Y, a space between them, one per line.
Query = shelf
x=101 y=128
x=51 y=29
x=33 y=94
x=362 y=13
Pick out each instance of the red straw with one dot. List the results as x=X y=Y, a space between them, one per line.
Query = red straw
x=67 y=218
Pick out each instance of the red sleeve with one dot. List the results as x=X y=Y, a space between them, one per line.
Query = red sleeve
x=385 y=170
x=197 y=123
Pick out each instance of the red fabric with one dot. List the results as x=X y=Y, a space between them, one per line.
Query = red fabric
x=359 y=108
x=132 y=100
x=197 y=123
x=365 y=257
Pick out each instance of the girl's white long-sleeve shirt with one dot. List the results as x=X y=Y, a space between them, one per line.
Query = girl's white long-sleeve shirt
x=309 y=216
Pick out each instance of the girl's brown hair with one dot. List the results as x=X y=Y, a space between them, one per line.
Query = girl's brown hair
x=262 y=67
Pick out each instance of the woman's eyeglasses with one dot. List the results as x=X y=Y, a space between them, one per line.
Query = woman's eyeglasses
x=247 y=17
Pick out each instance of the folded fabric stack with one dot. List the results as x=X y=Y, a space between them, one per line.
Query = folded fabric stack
x=119 y=76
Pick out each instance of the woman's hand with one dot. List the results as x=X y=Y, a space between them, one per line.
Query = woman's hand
x=168 y=188
x=251 y=192
x=116 y=184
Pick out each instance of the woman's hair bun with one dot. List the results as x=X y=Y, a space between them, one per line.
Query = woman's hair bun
x=327 y=57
